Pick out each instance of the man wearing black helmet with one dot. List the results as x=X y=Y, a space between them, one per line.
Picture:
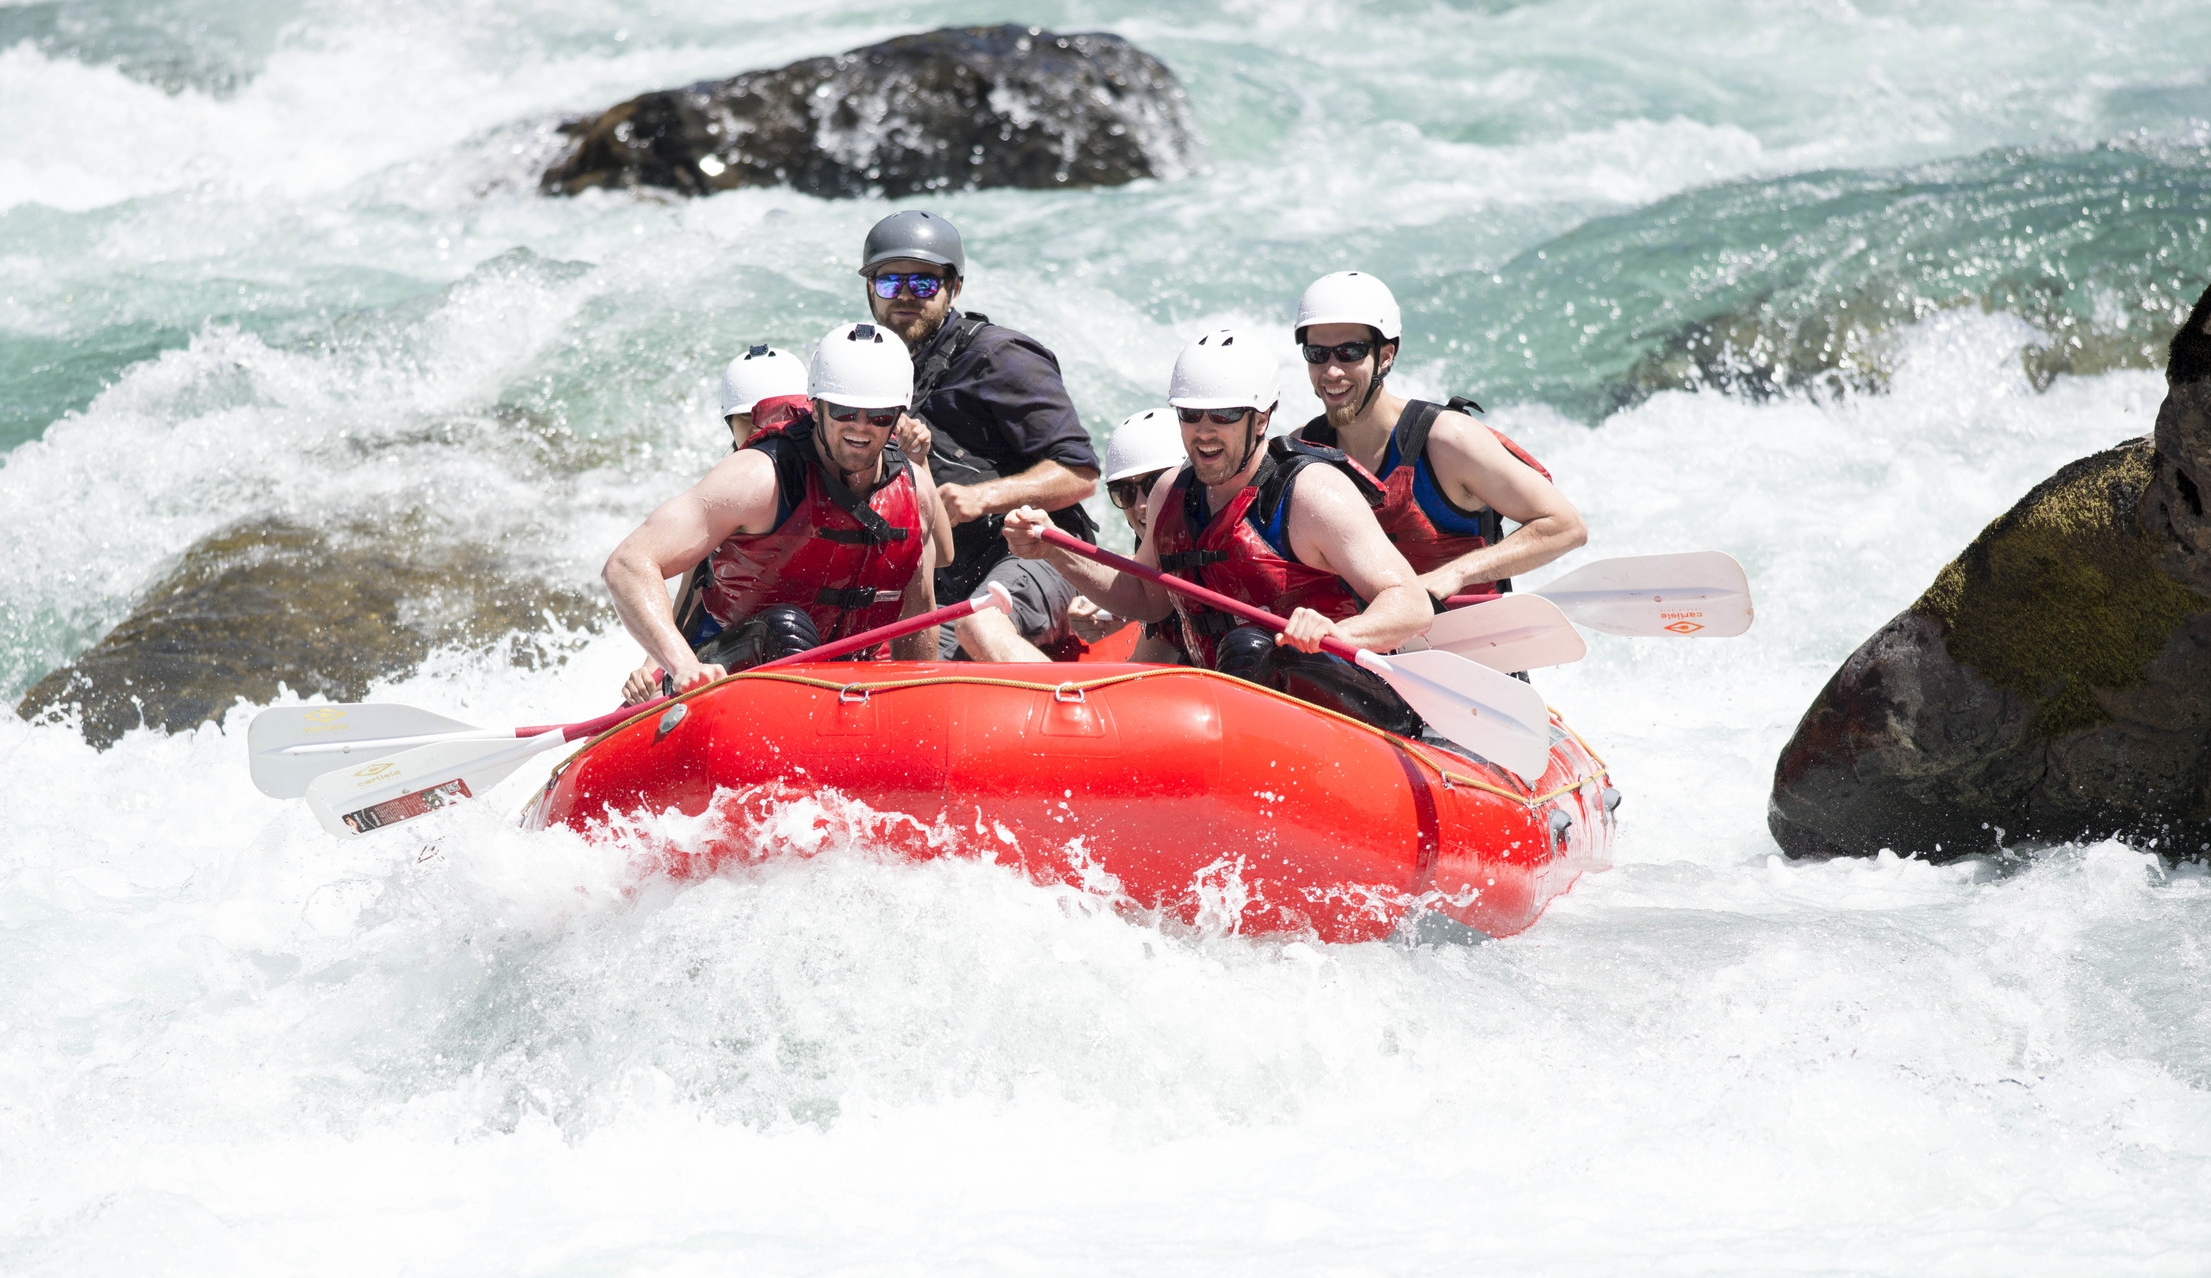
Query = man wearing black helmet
x=1001 y=434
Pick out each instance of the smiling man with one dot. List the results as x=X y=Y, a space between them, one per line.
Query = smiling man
x=1280 y=525
x=1000 y=433
x=816 y=530
x=1448 y=481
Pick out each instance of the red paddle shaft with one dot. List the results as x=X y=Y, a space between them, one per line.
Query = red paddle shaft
x=1259 y=616
x=827 y=652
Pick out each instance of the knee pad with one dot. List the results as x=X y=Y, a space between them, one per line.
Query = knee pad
x=768 y=635
x=786 y=631
x=1246 y=652
x=1342 y=687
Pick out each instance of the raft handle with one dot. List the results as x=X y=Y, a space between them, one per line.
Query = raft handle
x=845 y=694
x=1068 y=692
x=1561 y=822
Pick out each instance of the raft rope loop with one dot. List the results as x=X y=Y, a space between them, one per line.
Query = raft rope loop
x=845 y=692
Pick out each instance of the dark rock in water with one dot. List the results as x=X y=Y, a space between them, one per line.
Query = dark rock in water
x=2055 y=681
x=954 y=109
x=271 y=603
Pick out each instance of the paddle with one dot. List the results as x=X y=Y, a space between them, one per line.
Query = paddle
x=451 y=766
x=1702 y=593
x=1515 y=632
x=1497 y=717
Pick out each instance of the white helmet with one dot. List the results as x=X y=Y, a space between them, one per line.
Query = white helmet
x=861 y=366
x=1225 y=369
x=760 y=373
x=1149 y=441
x=1350 y=297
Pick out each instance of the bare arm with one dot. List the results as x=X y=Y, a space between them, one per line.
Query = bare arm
x=1047 y=485
x=1476 y=471
x=1110 y=588
x=738 y=495
x=921 y=592
x=1332 y=528
x=913 y=439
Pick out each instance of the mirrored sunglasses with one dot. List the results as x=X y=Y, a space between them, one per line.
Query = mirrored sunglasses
x=922 y=285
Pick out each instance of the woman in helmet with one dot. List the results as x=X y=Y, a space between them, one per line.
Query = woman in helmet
x=761 y=389
x=1145 y=448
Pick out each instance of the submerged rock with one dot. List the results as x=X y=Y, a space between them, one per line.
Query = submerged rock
x=272 y=604
x=955 y=109
x=2055 y=681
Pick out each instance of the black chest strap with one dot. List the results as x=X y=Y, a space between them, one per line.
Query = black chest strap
x=874 y=530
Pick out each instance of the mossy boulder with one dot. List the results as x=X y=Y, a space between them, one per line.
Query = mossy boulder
x=2053 y=683
x=956 y=109
x=269 y=604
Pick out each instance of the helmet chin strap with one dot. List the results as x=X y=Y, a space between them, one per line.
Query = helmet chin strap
x=828 y=458
x=1374 y=387
x=1251 y=445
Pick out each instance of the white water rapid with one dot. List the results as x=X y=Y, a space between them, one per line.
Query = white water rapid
x=284 y=257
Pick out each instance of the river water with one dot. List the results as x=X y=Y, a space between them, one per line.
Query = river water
x=1825 y=285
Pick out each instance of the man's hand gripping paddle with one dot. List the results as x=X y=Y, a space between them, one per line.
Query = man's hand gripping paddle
x=1496 y=716
x=361 y=767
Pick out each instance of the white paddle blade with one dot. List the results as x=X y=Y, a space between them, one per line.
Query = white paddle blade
x=369 y=796
x=358 y=731
x=1515 y=632
x=1495 y=715
x=1702 y=594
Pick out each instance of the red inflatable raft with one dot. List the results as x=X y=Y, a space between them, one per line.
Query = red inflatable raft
x=1183 y=790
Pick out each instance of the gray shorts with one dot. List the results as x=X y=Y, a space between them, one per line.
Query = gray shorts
x=1040 y=599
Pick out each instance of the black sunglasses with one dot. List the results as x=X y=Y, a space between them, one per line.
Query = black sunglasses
x=880 y=418
x=1220 y=416
x=923 y=286
x=1127 y=492
x=1348 y=353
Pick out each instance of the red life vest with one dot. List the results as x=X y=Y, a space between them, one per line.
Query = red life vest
x=1234 y=552
x=777 y=411
x=846 y=564
x=1413 y=500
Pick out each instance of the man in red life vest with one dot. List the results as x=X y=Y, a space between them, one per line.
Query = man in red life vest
x=763 y=389
x=1282 y=525
x=1448 y=481
x=816 y=530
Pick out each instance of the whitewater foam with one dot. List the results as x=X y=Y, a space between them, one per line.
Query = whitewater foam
x=229 y=1043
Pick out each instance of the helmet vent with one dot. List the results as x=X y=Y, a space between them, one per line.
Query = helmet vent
x=758 y=349
x=865 y=332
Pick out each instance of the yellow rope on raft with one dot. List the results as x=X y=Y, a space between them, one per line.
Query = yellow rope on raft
x=1419 y=754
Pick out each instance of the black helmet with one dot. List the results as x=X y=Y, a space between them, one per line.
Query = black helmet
x=923 y=237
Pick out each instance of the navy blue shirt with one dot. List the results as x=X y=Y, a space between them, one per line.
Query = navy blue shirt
x=1002 y=400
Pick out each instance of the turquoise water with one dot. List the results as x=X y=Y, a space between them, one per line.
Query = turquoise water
x=1824 y=285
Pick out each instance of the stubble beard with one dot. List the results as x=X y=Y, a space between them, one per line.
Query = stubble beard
x=916 y=331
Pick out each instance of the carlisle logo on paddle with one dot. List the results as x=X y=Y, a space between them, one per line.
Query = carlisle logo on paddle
x=1684 y=623
x=375 y=770
x=327 y=719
